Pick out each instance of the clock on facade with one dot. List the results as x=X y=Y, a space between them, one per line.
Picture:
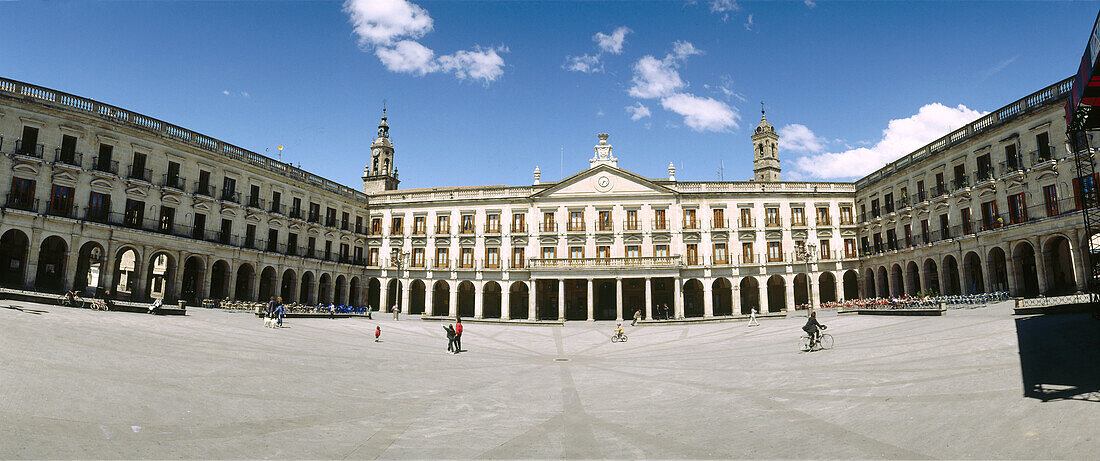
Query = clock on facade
x=603 y=184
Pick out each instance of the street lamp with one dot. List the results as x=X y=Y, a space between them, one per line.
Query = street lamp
x=805 y=252
x=398 y=259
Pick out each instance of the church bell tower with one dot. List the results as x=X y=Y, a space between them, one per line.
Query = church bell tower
x=380 y=174
x=765 y=146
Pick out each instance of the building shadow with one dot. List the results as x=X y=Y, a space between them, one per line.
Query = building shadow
x=1060 y=356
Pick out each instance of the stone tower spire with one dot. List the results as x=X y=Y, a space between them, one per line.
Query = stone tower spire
x=765 y=146
x=380 y=173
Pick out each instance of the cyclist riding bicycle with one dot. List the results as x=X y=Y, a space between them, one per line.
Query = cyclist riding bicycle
x=70 y=297
x=813 y=328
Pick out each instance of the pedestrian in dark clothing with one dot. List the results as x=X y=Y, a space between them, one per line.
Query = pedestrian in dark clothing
x=458 y=335
x=450 y=338
x=270 y=307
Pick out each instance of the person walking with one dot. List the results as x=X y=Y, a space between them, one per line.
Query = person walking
x=458 y=335
x=279 y=311
x=396 y=312
x=668 y=313
x=331 y=310
x=450 y=338
x=270 y=307
x=752 y=319
x=377 y=333
x=637 y=317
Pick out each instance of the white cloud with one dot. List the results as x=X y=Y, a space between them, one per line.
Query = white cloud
x=799 y=138
x=407 y=56
x=638 y=111
x=900 y=137
x=1001 y=66
x=681 y=50
x=612 y=43
x=381 y=22
x=809 y=3
x=245 y=94
x=225 y=92
x=391 y=28
x=749 y=23
x=725 y=7
x=585 y=63
x=702 y=114
x=654 y=78
x=484 y=64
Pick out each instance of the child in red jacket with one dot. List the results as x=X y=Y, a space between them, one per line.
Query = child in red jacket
x=377 y=333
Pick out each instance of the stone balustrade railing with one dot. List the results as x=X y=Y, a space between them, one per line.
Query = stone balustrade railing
x=132 y=119
x=607 y=263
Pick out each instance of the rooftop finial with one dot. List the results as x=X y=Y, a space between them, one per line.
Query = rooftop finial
x=762 y=117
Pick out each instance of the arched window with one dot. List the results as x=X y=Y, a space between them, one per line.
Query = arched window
x=386 y=166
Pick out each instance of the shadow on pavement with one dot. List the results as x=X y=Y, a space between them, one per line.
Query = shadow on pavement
x=1060 y=356
x=25 y=310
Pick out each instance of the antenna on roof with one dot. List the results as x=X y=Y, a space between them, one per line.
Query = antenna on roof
x=721 y=169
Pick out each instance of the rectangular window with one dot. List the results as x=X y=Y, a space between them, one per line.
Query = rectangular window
x=659 y=220
x=276 y=197
x=689 y=219
x=103 y=161
x=968 y=227
x=945 y=230
x=418 y=257
x=250 y=236
x=771 y=216
x=467 y=226
x=849 y=248
x=99 y=205
x=29 y=142
x=908 y=231
x=775 y=251
x=466 y=257
x=1012 y=159
x=328 y=250
x=372 y=256
x=891 y=239
x=227 y=230
x=985 y=166
x=632 y=220
x=376 y=226
x=68 y=150
x=1084 y=187
x=1042 y=142
x=990 y=219
x=904 y=201
x=549 y=252
x=167 y=215
x=874 y=208
x=824 y=247
x=718 y=217
x=720 y=255
x=254 y=196
x=358 y=224
x=548 y=222
x=604 y=221
x=229 y=189
x=692 y=254
x=517 y=258
x=518 y=223
x=22 y=194
x=1050 y=196
x=660 y=251
x=920 y=191
x=960 y=177
x=344 y=253
x=576 y=220
x=314 y=212
x=344 y=218
x=419 y=222
x=879 y=248
x=823 y=216
x=441 y=257
x=198 y=226
x=747 y=256
x=296 y=208
x=172 y=178
x=273 y=242
x=1017 y=208
x=311 y=247
x=925 y=231
x=633 y=251
x=443 y=224
x=941 y=186
x=330 y=217
x=135 y=213
x=746 y=217
x=603 y=252
x=492 y=223
x=798 y=216
x=492 y=257
x=888 y=202
x=61 y=201
x=397 y=225
x=576 y=252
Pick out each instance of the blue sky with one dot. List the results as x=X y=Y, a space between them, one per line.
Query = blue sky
x=509 y=84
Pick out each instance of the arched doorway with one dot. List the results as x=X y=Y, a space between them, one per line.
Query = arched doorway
x=777 y=294
x=353 y=292
x=89 y=268
x=1059 y=266
x=869 y=290
x=951 y=276
x=194 y=271
x=394 y=296
x=750 y=295
x=693 y=298
x=441 y=298
x=997 y=268
x=490 y=300
x=897 y=283
x=1027 y=276
x=913 y=277
x=972 y=270
x=518 y=300
x=51 y=264
x=13 y=257
x=245 y=279
x=269 y=279
x=288 y=285
x=882 y=283
x=826 y=287
x=305 y=292
x=324 y=289
x=722 y=297
x=338 y=296
x=801 y=291
x=851 y=284
x=159 y=276
x=932 y=277
x=417 y=291
x=126 y=265
x=466 y=299
x=219 y=280
x=374 y=294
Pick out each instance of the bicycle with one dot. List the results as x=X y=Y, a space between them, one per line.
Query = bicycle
x=824 y=341
x=70 y=299
x=100 y=305
x=618 y=337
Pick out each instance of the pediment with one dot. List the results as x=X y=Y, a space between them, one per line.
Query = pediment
x=492 y=240
x=275 y=223
x=847 y=233
x=799 y=235
x=228 y=212
x=605 y=239
x=519 y=241
x=25 y=169
x=576 y=240
x=418 y=242
x=102 y=185
x=662 y=238
x=773 y=235
x=691 y=237
x=604 y=181
x=464 y=241
x=202 y=206
x=987 y=192
x=1045 y=172
x=824 y=233
x=719 y=236
x=747 y=236
x=548 y=240
x=374 y=242
x=137 y=191
x=170 y=199
x=64 y=177
x=633 y=239
x=253 y=217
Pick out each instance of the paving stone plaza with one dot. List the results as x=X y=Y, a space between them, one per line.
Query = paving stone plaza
x=87 y=384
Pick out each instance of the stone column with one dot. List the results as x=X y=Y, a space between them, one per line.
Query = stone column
x=231 y=290
x=177 y=277
x=1040 y=266
x=648 y=298
x=789 y=295
x=839 y=282
x=71 y=259
x=383 y=295
x=619 y=299
x=404 y=296
x=254 y=287
x=735 y=297
x=506 y=302
x=812 y=291
x=591 y=308
x=1010 y=267
x=429 y=299
x=678 y=298
x=765 y=303
x=479 y=299
x=561 y=299
x=532 y=301
x=30 y=266
x=708 y=298
x=1080 y=263
x=107 y=268
x=452 y=306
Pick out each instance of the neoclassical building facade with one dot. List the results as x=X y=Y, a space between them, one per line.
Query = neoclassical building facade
x=102 y=198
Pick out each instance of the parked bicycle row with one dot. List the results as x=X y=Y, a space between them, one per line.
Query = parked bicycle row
x=295 y=308
x=920 y=302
